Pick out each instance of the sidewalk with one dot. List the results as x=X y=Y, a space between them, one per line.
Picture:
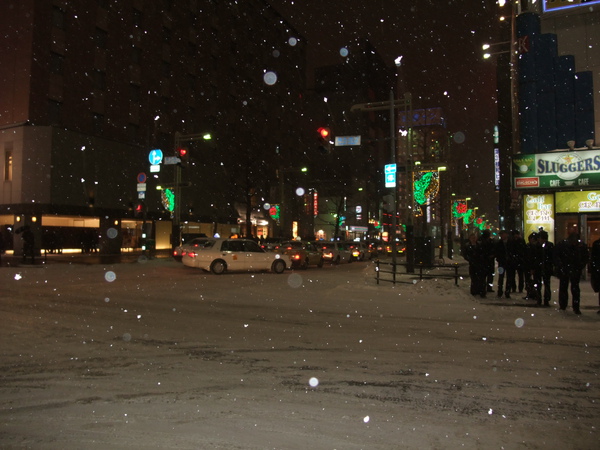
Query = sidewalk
x=589 y=299
x=9 y=260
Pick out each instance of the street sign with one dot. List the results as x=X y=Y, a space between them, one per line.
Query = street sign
x=141 y=195
x=390 y=175
x=170 y=160
x=155 y=168
x=341 y=141
x=141 y=178
x=141 y=187
x=378 y=106
x=155 y=156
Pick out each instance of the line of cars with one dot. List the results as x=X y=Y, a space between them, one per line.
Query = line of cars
x=219 y=255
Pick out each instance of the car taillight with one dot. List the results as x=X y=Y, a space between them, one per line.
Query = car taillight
x=296 y=257
x=175 y=252
x=192 y=254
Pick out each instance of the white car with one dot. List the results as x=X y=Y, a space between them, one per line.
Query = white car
x=221 y=255
x=360 y=251
x=335 y=252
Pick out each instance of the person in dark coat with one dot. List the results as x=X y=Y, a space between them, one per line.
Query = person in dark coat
x=501 y=254
x=472 y=253
x=487 y=247
x=515 y=256
x=570 y=258
x=548 y=266
x=28 y=244
x=595 y=269
x=534 y=261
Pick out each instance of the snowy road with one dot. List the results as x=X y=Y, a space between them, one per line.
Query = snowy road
x=164 y=356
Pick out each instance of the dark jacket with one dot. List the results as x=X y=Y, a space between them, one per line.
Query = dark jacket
x=570 y=257
x=595 y=266
x=548 y=267
x=515 y=248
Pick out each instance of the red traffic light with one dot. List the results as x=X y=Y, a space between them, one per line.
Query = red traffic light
x=182 y=152
x=324 y=132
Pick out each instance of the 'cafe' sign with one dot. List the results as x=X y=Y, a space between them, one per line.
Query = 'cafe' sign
x=557 y=170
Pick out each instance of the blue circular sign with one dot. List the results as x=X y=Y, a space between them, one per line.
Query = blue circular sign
x=155 y=156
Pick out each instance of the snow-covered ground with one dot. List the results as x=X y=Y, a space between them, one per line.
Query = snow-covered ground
x=155 y=355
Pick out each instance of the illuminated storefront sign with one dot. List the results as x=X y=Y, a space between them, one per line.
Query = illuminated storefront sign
x=578 y=202
x=555 y=5
x=557 y=170
x=538 y=212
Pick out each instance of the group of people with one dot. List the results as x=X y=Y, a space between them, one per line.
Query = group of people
x=529 y=266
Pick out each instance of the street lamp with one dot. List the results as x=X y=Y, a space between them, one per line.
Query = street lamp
x=179 y=140
x=508 y=114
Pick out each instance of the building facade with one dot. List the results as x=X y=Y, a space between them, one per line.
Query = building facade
x=89 y=88
x=556 y=171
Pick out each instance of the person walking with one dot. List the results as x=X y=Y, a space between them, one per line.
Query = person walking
x=595 y=269
x=570 y=258
x=547 y=266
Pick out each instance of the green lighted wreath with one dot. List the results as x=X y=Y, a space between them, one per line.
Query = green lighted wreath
x=426 y=187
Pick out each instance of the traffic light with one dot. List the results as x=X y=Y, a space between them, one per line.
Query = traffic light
x=139 y=209
x=182 y=153
x=324 y=139
x=324 y=132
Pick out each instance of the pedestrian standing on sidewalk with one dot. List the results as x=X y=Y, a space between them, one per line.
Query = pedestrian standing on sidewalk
x=501 y=254
x=534 y=262
x=595 y=269
x=28 y=244
x=548 y=266
x=472 y=253
x=487 y=253
x=570 y=258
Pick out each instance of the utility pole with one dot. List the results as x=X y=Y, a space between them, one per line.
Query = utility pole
x=179 y=139
x=392 y=105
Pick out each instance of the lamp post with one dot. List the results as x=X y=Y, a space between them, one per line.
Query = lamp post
x=179 y=139
x=507 y=98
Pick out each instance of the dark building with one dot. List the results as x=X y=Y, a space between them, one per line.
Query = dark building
x=350 y=178
x=548 y=176
x=89 y=88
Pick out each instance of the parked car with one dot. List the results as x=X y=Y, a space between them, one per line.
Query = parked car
x=360 y=251
x=302 y=254
x=335 y=252
x=271 y=244
x=221 y=255
x=186 y=246
x=400 y=247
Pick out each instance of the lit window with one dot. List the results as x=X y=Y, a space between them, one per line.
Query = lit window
x=8 y=165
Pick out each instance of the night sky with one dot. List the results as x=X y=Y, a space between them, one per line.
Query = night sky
x=440 y=42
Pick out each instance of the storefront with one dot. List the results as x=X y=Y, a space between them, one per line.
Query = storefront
x=560 y=193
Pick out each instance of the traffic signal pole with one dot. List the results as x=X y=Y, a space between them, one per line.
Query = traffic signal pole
x=392 y=105
x=395 y=188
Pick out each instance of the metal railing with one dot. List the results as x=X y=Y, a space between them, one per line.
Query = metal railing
x=392 y=268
